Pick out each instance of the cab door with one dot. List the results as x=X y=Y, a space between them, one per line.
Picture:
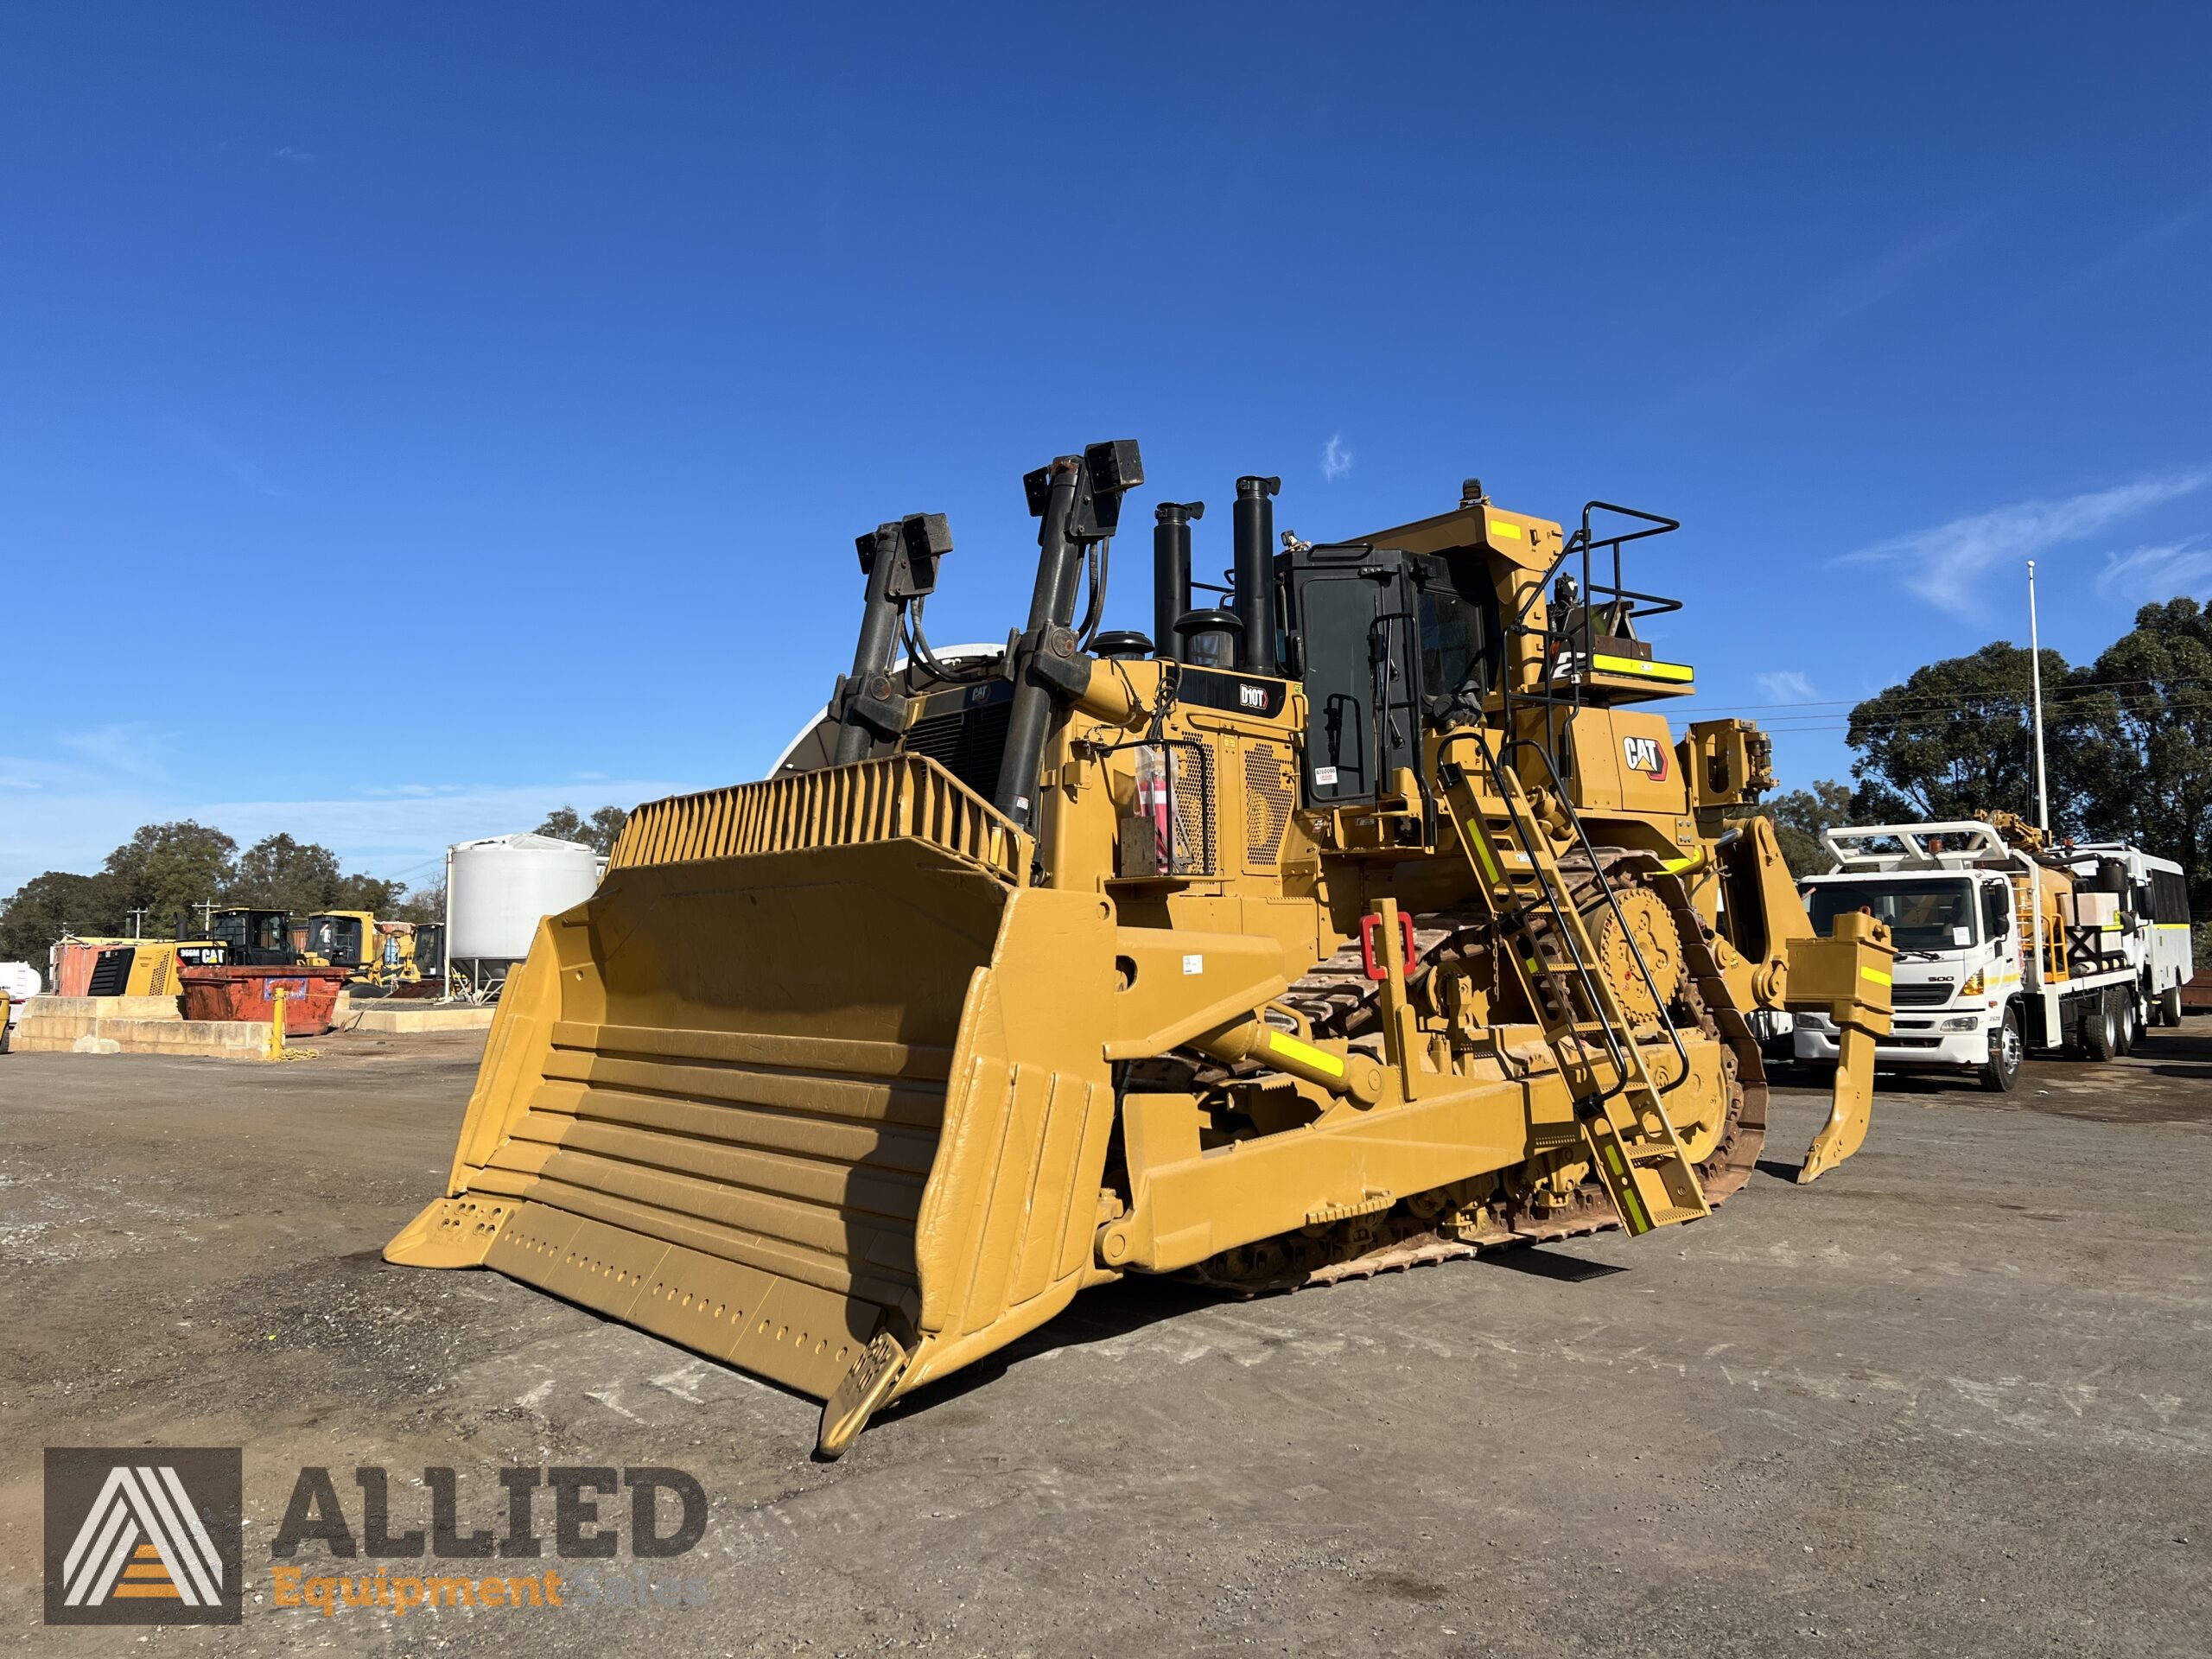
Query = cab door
x=1356 y=645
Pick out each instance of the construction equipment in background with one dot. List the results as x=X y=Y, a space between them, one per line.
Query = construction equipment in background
x=254 y=938
x=130 y=967
x=383 y=955
x=337 y=938
x=1372 y=921
x=2007 y=942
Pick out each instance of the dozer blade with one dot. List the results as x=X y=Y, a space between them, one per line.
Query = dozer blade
x=804 y=1087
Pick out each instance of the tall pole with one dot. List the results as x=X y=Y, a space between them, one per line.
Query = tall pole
x=2035 y=678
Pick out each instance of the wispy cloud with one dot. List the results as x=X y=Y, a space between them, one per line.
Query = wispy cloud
x=1786 y=685
x=1335 y=459
x=131 y=747
x=224 y=457
x=1804 y=327
x=2128 y=253
x=289 y=154
x=1946 y=564
x=2156 y=572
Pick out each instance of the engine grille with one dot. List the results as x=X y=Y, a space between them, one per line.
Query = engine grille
x=970 y=743
x=1921 y=996
x=1268 y=802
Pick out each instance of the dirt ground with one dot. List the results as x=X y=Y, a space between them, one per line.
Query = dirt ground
x=1953 y=1398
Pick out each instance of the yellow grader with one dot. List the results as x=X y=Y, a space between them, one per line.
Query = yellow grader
x=1367 y=923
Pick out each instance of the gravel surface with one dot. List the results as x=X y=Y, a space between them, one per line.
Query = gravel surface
x=1953 y=1398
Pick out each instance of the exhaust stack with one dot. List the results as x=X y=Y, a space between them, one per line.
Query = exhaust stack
x=1171 y=570
x=1255 y=574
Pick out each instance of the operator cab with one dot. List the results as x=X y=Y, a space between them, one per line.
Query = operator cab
x=259 y=938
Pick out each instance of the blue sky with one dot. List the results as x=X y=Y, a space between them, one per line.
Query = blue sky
x=412 y=417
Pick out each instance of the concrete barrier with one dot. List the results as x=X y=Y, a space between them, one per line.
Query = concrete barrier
x=401 y=1017
x=131 y=1024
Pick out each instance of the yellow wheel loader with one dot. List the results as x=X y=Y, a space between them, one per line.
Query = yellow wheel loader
x=1370 y=922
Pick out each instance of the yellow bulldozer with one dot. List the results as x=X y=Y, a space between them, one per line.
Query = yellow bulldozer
x=1372 y=921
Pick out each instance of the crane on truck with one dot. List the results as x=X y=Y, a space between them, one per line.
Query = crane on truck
x=2006 y=943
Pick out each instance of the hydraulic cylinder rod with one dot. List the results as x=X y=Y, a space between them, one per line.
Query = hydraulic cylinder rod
x=1051 y=604
x=872 y=656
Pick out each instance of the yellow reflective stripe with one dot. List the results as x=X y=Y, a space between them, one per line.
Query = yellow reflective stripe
x=1638 y=1219
x=1676 y=866
x=1478 y=839
x=1291 y=1049
x=2173 y=927
x=1874 y=974
x=1630 y=665
x=1511 y=532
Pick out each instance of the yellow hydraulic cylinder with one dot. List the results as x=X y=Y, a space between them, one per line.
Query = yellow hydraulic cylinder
x=1253 y=1039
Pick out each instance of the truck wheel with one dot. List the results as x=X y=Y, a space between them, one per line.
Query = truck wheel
x=2100 y=1029
x=2124 y=1017
x=2003 y=1070
x=2170 y=1005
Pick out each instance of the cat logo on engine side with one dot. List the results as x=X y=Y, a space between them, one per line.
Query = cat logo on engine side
x=1645 y=754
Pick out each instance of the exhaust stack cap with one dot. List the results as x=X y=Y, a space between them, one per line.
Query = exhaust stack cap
x=1252 y=485
x=1179 y=512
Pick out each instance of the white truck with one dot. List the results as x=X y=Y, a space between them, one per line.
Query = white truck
x=2002 y=948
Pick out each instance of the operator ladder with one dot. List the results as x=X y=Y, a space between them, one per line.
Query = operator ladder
x=1632 y=1144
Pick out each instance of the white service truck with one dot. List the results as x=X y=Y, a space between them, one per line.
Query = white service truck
x=2002 y=948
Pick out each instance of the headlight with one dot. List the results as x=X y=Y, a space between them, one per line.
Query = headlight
x=1972 y=987
x=1815 y=1022
x=1962 y=1022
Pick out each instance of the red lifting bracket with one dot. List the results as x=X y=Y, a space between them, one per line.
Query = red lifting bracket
x=1370 y=933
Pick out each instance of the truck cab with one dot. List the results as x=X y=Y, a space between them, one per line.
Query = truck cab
x=1956 y=980
x=2007 y=942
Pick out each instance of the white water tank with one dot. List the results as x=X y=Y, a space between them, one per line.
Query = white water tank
x=499 y=889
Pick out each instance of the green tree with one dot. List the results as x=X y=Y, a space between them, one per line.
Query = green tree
x=370 y=892
x=277 y=873
x=2149 y=777
x=598 y=831
x=46 y=907
x=1956 y=741
x=423 y=905
x=1800 y=816
x=168 y=869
